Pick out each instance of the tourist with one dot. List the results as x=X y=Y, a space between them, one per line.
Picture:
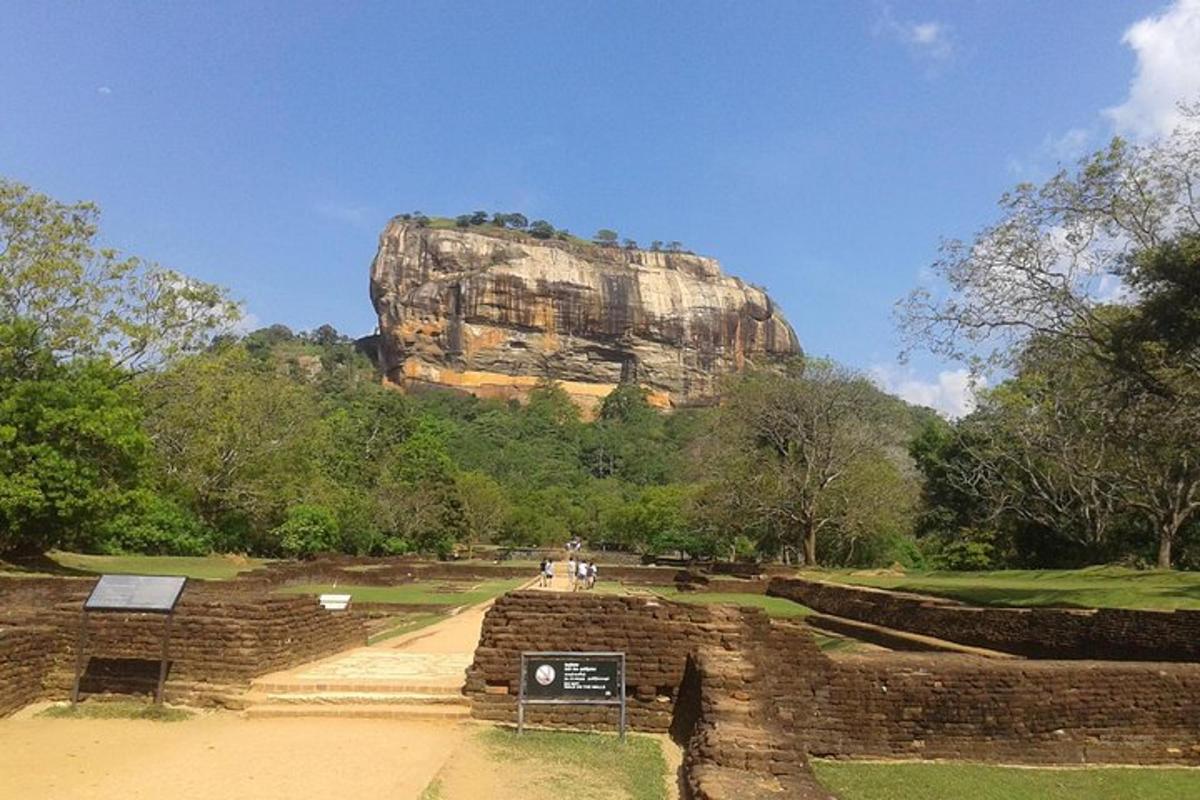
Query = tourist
x=542 y=573
x=548 y=573
x=592 y=575
x=571 y=570
x=581 y=578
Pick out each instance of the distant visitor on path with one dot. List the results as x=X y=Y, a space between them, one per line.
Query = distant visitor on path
x=581 y=576
x=591 y=575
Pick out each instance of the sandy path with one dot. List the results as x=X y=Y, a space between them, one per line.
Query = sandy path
x=221 y=756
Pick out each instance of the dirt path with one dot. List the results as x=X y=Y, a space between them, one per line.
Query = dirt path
x=221 y=756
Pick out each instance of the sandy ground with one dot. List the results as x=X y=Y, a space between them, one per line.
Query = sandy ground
x=221 y=755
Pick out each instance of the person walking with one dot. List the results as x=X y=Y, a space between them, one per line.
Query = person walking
x=592 y=575
x=549 y=573
x=542 y=573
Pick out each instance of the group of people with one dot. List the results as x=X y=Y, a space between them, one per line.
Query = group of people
x=580 y=574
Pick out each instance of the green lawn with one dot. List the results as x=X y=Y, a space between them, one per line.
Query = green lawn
x=774 y=606
x=943 y=781
x=216 y=567
x=1094 y=587
x=433 y=593
x=574 y=761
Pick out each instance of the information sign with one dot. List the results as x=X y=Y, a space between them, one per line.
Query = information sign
x=139 y=593
x=134 y=594
x=556 y=678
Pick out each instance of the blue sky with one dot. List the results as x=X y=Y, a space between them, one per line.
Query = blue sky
x=818 y=148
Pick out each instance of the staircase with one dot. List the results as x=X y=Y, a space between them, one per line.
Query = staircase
x=368 y=683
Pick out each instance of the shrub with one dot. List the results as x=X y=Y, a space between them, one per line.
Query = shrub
x=154 y=525
x=307 y=531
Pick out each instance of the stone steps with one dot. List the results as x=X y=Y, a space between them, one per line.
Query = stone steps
x=407 y=711
x=361 y=698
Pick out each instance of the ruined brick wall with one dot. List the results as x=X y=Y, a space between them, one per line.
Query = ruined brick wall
x=1107 y=633
x=221 y=637
x=26 y=655
x=736 y=747
x=656 y=636
x=901 y=705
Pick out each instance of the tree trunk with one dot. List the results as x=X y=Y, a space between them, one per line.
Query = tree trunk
x=810 y=544
x=1166 y=537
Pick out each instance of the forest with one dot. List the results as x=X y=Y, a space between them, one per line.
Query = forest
x=134 y=419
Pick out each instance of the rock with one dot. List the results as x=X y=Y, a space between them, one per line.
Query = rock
x=493 y=313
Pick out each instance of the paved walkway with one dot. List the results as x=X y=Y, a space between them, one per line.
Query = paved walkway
x=433 y=659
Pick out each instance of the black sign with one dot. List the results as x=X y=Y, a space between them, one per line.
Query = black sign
x=141 y=593
x=573 y=677
x=557 y=678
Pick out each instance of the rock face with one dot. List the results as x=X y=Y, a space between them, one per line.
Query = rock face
x=493 y=313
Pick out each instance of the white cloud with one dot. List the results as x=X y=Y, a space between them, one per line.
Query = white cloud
x=1167 y=47
x=103 y=90
x=930 y=38
x=952 y=394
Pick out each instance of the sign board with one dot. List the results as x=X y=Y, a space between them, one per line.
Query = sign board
x=155 y=594
x=556 y=678
x=135 y=594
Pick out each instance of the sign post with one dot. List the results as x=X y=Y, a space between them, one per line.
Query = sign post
x=577 y=679
x=134 y=594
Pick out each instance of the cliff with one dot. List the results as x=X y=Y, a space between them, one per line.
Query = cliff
x=492 y=313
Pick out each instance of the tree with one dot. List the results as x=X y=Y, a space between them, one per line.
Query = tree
x=540 y=229
x=630 y=244
x=479 y=218
x=1096 y=271
x=85 y=300
x=656 y=246
x=462 y=221
x=485 y=507
x=785 y=440
x=234 y=438
x=71 y=447
x=605 y=238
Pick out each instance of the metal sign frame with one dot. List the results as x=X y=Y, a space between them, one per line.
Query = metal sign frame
x=82 y=640
x=523 y=700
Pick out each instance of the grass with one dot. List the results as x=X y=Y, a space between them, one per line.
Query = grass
x=949 y=781
x=440 y=593
x=635 y=767
x=774 y=606
x=433 y=791
x=1094 y=587
x=123 y=709
x=215 y=567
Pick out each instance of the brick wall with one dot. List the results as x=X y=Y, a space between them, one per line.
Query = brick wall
x=882 y=705
x=221 y=637
x=657 y=638
x=26 y=655
x=1107 y=633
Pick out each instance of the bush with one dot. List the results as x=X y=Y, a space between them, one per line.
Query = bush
x=972 y=550
x=307 y=531
x=154 y=525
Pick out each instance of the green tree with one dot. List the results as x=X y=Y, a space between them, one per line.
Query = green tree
x=605 y=237
x=784 y=441
x=233 y=439
x=71 y=446
x=86 y=300
x=307 y=531
x=541 y=229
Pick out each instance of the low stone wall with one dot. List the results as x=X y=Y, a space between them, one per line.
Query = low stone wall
x=656 y=636
x=963 y=707
x=1107 y=633
x=892 y=705
x=221 y=637
x=26 y=655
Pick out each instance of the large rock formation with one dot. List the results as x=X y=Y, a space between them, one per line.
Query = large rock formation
x=494 y=312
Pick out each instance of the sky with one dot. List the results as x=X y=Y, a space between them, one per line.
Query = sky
x=822 y=149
